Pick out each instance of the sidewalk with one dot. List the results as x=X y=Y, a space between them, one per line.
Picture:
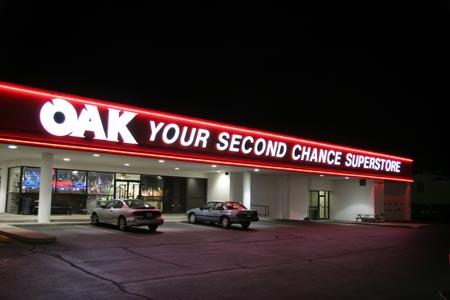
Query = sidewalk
x=10 y=226
x=6 y=218
x=15 y=219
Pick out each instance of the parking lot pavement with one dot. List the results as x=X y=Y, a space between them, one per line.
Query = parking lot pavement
x=10 y=225
x=270 y=260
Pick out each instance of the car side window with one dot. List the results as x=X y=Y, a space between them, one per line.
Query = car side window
x=209 y=205
x=109 y=204
x=118 y=204
x=219 y=206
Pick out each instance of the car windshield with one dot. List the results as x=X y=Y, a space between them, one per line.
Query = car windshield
x=234 y=205
x=138 y=204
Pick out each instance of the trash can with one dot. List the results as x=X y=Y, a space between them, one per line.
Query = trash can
x=27 y=206
x=313 y=213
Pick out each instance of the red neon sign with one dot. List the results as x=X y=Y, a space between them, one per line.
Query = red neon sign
x=49 y=119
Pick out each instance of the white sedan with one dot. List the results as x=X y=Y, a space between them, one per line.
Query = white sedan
x=125 y=213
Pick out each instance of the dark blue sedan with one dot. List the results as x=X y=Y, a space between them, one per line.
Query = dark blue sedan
x=224 y=213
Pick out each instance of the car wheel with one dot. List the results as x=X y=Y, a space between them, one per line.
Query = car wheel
x=245 y=225
x=122 y=223
x=94 y=219
x=192 y=218
x=225 y=222
x=152 y=228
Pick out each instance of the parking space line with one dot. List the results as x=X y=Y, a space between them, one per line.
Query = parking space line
x=113 y=231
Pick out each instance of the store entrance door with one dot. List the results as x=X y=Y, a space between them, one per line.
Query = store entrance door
x=324 y=207
x=319 y=205
x=127 y=189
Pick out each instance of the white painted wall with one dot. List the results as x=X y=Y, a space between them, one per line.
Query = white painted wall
x=397 y=202
x=236 y=187
x=349 y=199
x=318 y=183
x=287 y=195
x=298 y=197
x=218 y=187
x=265 y=191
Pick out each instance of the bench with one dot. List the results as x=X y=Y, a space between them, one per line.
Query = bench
x=56 y=208
x=368 y=218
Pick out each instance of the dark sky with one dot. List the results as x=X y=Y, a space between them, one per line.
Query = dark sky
x=371 y=75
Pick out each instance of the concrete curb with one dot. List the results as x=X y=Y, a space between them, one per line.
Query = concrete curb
x=26 y=235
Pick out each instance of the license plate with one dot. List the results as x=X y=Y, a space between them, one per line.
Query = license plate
x=149 y=215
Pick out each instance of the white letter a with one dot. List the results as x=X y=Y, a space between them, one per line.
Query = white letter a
x=118 y=124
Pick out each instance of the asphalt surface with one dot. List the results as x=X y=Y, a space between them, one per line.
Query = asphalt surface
x=270 y=260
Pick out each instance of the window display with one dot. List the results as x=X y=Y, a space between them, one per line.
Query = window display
x=100 y=189
x=31 y=180
x=152 y=190
x=14 y=180
x=13 y=197
x=101 y=183
x=70 y=181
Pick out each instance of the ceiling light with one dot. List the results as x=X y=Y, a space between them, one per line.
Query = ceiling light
x=96 y=155
x=213 y=166
x=126 y=164
x=66 y=159
x=177 y=168
x=256 y=170
x=12 y=147
x=161 y=161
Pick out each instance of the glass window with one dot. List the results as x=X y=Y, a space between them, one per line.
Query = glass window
x=101 y=183
x=12 y=200
x=14 y=180
x=31 y=178
x=110 y=204
x=219 y=206
x=70 y=181
x=152 y=186
x=210 y=205
x=118 y=204
x=126 y=176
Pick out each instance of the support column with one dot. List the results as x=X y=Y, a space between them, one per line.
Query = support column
x=3 y=187
x=45 y=188
x=285 y=197
x=407 y=203
x=379 y=198
x=246 y=189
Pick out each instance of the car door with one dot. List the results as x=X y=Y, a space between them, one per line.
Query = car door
x=216 y=212
x=106 y=212
x=116 y=211
x=205 y=212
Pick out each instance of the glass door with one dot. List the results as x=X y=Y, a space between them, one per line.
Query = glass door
x=133 y=190
x=319 y=205
x=126 y=189
x=324 y=207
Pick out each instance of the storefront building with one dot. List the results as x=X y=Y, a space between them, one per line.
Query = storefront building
x=284 y=177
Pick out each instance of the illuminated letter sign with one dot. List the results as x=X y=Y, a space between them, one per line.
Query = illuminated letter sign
x=60 y=118
x=49 y=119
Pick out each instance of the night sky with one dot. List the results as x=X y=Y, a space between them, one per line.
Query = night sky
x=366 y=75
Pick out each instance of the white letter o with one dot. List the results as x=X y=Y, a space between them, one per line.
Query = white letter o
x=48 y=121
